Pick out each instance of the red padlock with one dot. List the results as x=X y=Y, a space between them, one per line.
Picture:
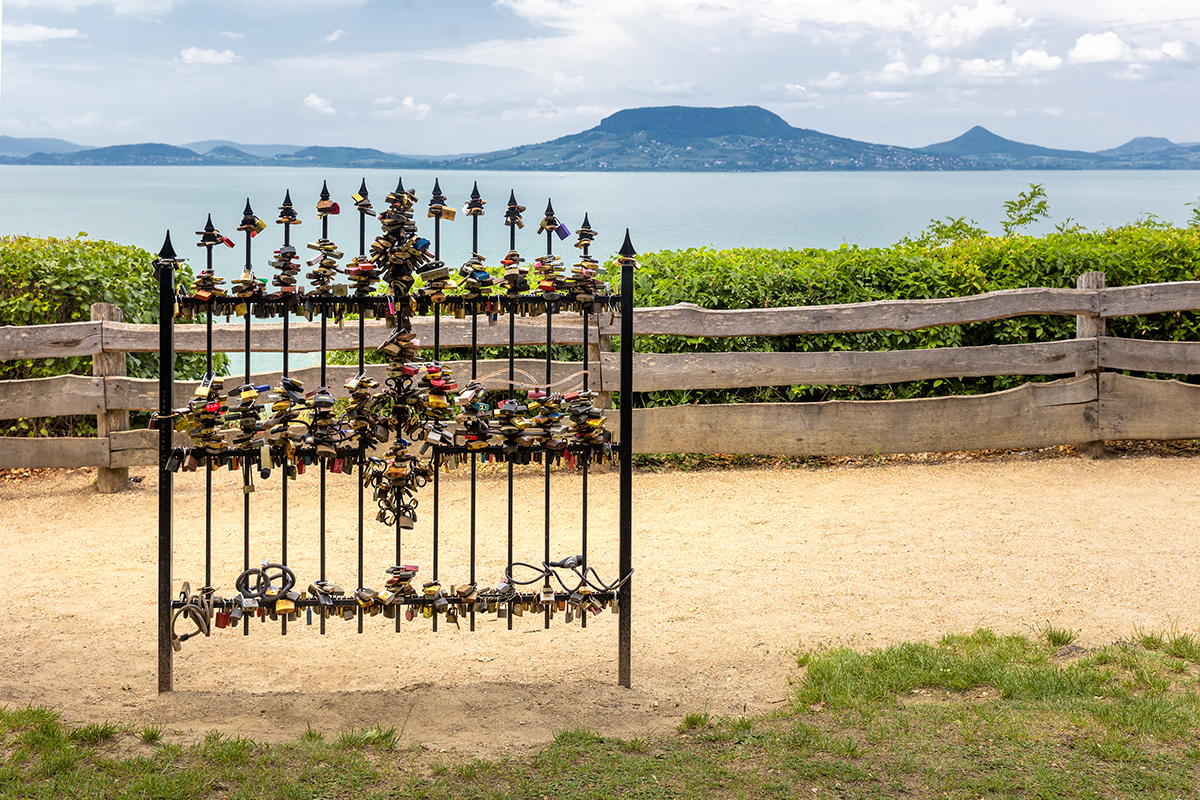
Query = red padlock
x=222 y=619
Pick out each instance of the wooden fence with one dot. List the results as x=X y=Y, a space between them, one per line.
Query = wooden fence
x=1093 y=403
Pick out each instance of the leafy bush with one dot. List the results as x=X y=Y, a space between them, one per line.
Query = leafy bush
x=47 y=281
x=949 y=259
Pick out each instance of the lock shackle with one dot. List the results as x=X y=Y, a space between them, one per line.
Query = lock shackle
x=541 y=574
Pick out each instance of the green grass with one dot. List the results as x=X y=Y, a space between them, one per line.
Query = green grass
x=970 y=716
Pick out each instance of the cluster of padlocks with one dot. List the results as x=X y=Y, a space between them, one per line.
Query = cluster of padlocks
x=398 y=430
x=400 y=261
x=270 y=592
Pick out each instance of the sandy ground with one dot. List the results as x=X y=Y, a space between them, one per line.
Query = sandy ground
x=736 y=570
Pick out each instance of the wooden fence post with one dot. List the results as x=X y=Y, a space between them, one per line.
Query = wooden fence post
x=104 y=364
x=1090 y=328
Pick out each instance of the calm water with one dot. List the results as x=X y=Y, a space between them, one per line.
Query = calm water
x=137 y=205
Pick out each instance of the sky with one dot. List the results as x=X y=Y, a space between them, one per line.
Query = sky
x=436 y=77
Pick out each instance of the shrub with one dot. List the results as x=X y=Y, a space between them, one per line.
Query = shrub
x=47 y=281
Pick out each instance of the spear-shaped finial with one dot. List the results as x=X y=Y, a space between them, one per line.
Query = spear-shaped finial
x=287 y=199
x=512 y=215
x=586 y=224
x=208 y=226
x=627 y=250
x=437 y=198
x=324 y=190
x=362 y=187
x=400 y=185
x=167 y=253
x=512 y=197
x=476 y=203
x=549 y=208
x=250 y=222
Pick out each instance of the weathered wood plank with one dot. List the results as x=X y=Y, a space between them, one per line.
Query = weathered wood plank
x=1175 y=358
x=142 y=393
x=138 y=448
x=686 y=319
x=1149 y=298
x=1141 y=408
x=19 y=342
x=666 y=371
x=52 y=453
x=305 y=337
x=51 y=397
x=1033 y=415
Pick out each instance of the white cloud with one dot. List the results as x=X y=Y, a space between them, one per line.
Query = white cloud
x=133 y=8
x=408 y=107
x=333 y=37
x=963 y=25
x=674 y=89
x=1096 y=48
x=1035 y=60
x=318 y=104
x=834 y=80
x=384 y=101
x=195 y=55
x=984 y=68
x=233 y=35
x=1176 y=50
x=1133 y=72
x=16 y=32
x=889 y=95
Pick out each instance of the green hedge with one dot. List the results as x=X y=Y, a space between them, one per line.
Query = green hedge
x=46 y=281
x=947 y=260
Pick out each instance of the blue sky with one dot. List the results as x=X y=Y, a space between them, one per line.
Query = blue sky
x=459 y=76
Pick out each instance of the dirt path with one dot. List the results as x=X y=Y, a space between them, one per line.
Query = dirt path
x=736 y=569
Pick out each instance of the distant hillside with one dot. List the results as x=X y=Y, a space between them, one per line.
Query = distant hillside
x=981 y=144
x=260 y=150
x=680 y=138
x=664 y=138
x=1140 y=146
x=347 y=157
x=18 y=148
x=125 y=154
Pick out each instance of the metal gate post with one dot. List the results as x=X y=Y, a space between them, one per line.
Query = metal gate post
x=625 y=618
x=164 y=268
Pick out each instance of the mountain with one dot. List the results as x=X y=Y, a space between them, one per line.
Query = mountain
x=260 y=150
x=981 y=145
x=664 y=138
x=123 y=154
x=18 y=148
x=1140 y=146
x=682 y=138
x=347 y=157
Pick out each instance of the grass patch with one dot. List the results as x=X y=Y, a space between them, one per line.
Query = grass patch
x=970 y=716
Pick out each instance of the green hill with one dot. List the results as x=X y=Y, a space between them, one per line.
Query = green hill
x=980 y=143
x=679 y=138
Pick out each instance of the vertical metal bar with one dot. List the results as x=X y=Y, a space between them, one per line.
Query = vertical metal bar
x=246 y=474
x=319 y=462
x=546 y=453
x=625 y=623
x=474 y=375
x=284 y=479
x=361 y=455
x=512 y=324
x=208 y=471
x=585 y=461
x=583 y=494
x=166 y=401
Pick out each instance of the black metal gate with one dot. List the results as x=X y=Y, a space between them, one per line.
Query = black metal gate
x=397 y=434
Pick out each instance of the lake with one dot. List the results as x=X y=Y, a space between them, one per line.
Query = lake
x=137 y=205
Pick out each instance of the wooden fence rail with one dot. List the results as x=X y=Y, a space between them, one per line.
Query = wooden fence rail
x=1092 y=405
